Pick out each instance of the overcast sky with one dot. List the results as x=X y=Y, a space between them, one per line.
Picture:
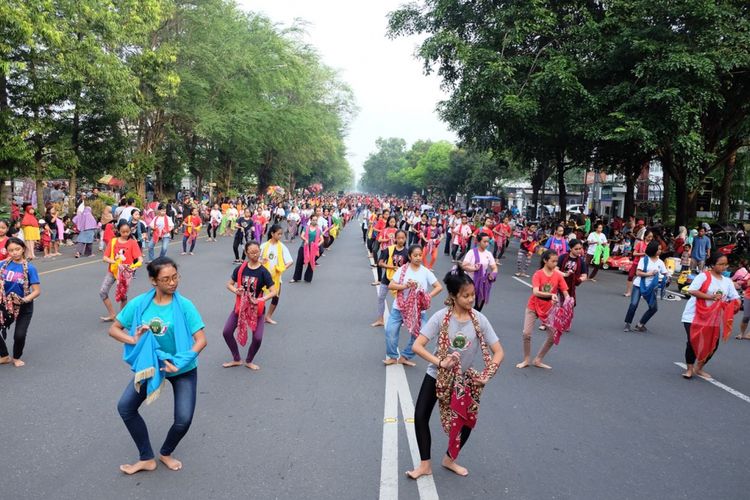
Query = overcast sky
x=394 y=96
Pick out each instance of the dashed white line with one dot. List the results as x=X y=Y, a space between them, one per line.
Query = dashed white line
x=521 y=281
x=733 y=392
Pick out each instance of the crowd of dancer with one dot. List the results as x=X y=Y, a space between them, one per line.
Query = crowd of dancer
x=163 y=332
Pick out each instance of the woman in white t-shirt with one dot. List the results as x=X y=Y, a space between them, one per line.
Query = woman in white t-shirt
x=708 y=288
x=650 y=270
x=597 y=237
x=481 y=263
x=411 y=283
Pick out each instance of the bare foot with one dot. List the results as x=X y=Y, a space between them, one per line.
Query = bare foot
x=5 y=360
x=419 y=472
x=18 y=364
x=453 y=466
x=538 y=363
x=107 y=319
x=253 y=366
x=270 y=321
x=703 y=373
x=523 y=364
x=139 y=466
x=402 y=360
x=688 y=374
x=389 y=361
x=743 y=337
x=230 y=364
x=171 y=462
x=377 y=323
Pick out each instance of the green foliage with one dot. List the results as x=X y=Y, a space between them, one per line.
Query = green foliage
x=136 y=197
x=166 y=88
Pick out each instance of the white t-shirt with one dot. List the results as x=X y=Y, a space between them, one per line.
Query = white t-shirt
x=233 y=213
x=424 y=278
x=724 y=284
x=216 y=215
x=280 y=212
x=463 y=230
x=273 y=257
x=650 y=266
x=293 y=217
x=485 y=258
x=595 y=238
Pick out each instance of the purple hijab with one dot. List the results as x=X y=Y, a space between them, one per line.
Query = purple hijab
x=85 y=220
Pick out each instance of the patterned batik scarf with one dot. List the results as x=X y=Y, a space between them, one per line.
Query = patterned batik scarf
x=412 y=305
x=9 y=305
x=247 y=311
x=458 y=392
x=560 y=318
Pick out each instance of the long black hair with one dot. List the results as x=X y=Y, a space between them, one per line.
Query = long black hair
x=455 y=280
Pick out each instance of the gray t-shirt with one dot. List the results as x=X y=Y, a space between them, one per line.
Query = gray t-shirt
x=471 y=351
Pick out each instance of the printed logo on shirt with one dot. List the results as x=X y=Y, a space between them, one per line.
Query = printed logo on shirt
x=547 y=288
x=158 y=326
x=460 y=342
x=12 y=276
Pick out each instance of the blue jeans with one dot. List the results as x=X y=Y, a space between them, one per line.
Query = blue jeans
x=164 y=242
x=634 y=298
x=184 y=388
x=392 y=328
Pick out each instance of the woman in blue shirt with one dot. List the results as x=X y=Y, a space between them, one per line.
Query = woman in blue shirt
x=20 y=288
x=163 y=334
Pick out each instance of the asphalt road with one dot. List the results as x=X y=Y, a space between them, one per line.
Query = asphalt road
x=613 y=419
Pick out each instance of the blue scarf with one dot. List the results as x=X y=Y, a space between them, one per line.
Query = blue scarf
x=145 y=357
x=647 y=292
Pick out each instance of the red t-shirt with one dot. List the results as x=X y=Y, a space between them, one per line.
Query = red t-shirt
x=130 y=251
x=549 y=284
x=3 y=250
x=192 y=223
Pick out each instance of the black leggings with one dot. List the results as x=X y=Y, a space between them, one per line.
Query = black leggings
x=422 y=412
x=19 y=335
x=299 y=266
x=236 y=244
x=689 y=353
x=211 y=230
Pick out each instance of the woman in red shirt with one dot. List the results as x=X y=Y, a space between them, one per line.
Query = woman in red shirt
x=192 y=224
x=546 y=283
x=123 y=256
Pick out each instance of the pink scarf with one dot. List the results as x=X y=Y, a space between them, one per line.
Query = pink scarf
x=560 y=318
x=311 y=248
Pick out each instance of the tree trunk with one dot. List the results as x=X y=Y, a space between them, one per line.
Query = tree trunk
x=681 y=202
x=629 y=205
x=665 y=195
x=562 y=192
x=726 y=187
x=72 y=189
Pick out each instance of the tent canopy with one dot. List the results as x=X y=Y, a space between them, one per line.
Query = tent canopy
x=494 y=198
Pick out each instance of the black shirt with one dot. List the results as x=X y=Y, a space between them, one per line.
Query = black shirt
x=400 y=257
x=255 y=279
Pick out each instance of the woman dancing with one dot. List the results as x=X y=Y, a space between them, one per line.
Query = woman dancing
x=481 y=262
x=312 y=239
x=451 y=380
x=247 y=284
x=546 y=283
x=411 y=283
x=163 y=336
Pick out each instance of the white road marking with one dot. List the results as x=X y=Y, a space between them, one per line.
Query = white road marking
x=426 y=484
x=521 y=281
x=397 y=390
x=733 y=392
x=389 y=460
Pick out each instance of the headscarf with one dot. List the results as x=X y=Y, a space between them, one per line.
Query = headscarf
x=85 y=220
x=682 y=233
x=28 y=218
x=107 y=215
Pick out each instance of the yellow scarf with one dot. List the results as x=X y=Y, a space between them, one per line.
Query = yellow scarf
x=279 y=268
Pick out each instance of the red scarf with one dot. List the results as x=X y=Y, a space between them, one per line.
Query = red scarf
x=708 y=321
x=411 y=306
x=248 y=313
x=124 y=275
x=29 y=219
x=157 y=233
x=458 y=392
